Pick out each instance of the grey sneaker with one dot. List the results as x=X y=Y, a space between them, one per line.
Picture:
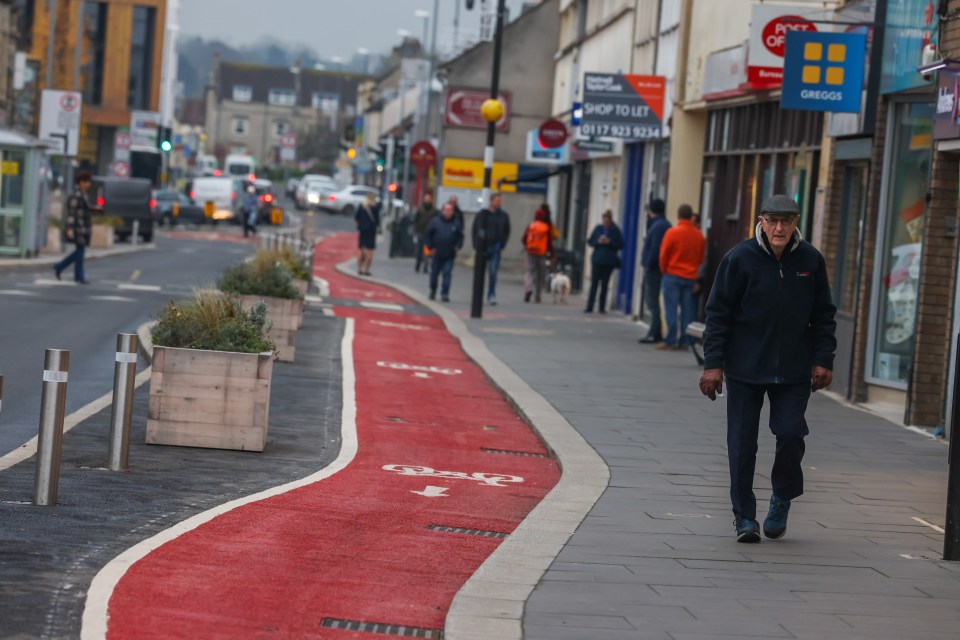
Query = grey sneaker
x=775 y=524
x=747 y=530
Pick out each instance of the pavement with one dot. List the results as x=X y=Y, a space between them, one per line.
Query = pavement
x=48 y=260
x=412 y=487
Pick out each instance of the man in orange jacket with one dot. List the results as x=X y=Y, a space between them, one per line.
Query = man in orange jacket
x=681 y=253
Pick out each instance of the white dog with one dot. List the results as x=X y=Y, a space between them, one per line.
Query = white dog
x=559 y=285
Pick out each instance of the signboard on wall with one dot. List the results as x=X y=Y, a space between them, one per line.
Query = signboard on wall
x=824 y=71
x=60 y=121
x=144 y=128
x=769 y=25
x=463 y=173
x=617 y=105
x=463 y=109
x=911 y=26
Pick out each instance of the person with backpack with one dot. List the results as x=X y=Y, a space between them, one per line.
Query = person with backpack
x=538 y=242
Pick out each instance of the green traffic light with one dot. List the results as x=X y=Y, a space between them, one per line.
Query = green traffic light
x=166 y=145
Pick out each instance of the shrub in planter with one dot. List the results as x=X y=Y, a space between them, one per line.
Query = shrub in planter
x=212 y=368
x=296 y=264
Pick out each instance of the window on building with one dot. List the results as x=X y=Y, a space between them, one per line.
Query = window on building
x=24 y=21
x=94 y=50
x=242 y=93
x=282 y=97
x=279 y=128
x=141 y=57
x=240 y=126
x=239 y=149
x=582 y=19
x=898 y=278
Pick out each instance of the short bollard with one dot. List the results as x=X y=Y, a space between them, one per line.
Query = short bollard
x=135 y=233
x=121 y=414
x=1 y=393
x=53 y=402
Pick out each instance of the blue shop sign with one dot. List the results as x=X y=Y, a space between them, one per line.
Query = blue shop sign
x=823 y=71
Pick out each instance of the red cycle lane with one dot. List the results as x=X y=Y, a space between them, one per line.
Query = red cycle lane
x=437 y=450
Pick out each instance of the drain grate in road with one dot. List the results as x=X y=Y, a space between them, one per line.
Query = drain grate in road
x=383 y=628
x=471 y=532
x=526 y=454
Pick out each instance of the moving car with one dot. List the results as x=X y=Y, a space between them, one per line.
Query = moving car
x=316 y=192
x=126 y=198
x=301 y=198
x=268 y=201
x=347 y=201
x=173 y=207
x=217 y=194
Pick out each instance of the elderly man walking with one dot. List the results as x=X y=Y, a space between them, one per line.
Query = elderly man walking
x=770 y=332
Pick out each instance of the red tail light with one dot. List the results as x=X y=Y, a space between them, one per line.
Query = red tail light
x=153 y=203
x=268 y=198
x=193 y=194
x=233 y=195
x=332 y=198
x=217 y=173
x=101 y=201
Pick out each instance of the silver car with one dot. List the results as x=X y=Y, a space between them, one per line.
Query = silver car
x=348 y=200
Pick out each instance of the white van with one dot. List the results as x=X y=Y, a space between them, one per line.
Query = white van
x=216 y=194
x=206 y=165
x=239 y=166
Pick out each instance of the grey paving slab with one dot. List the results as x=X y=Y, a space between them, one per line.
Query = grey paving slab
x=853 y=547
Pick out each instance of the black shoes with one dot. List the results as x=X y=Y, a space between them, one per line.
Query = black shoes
x=433 y=294
x=649 y=340
x=527 y=296
x=445 y=298
x=57 y=273
x=775 y=524
x=747 y=530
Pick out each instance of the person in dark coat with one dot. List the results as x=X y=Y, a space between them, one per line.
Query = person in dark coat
x=425 y=213
x=606 y=241
x=444 y=237
x=491 y=232
x=770 y=331
x=657 y=225
x=367 y=218
x=78 y=226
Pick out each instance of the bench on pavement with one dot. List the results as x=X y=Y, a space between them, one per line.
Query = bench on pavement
x=695 y=333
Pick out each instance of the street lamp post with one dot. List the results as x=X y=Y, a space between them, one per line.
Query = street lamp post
x=480 y=262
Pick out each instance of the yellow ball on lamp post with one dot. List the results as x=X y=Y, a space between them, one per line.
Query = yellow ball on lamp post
x=492 y=110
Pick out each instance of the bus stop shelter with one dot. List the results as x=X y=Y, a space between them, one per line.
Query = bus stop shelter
x=23 y=194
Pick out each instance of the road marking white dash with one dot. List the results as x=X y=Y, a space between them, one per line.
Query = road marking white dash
x=928 y=524
x=139 y=287
x=381 y=305
x=113 y=298
x=17 y=292
x=42 y=282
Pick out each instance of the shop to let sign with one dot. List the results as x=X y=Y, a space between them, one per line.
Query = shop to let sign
x=824 y=71
x=617 y=105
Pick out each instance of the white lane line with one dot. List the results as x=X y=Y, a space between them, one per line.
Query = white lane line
x=17 y=292
x=94 y=622
x=46 y=282
x=328 y=312
x=139 y=287
x=385 y=306
x=311 y=299
x=113 y=298
x=928 y=524
x=29 y=448
x=322 y=285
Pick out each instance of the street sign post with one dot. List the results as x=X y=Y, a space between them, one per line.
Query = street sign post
x=60 y=121
x=288 y=147
x=423 y=156
x=538 y=153
x=616 y=105
x=552 y=134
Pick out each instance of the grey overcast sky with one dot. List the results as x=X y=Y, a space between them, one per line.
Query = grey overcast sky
x=330 y=27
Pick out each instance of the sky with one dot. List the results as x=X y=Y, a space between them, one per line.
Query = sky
x=330 y=27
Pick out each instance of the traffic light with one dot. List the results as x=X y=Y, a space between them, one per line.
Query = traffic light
x=165 y=139
x=351 y=153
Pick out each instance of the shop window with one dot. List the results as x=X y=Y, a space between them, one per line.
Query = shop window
x=898 y=276
x=94 y=51
x=141 y=57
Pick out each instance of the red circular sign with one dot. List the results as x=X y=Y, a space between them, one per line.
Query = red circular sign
x=121 y=169
x=775 y=33
x=552 y=134
x=423 y=155
x=69 y=101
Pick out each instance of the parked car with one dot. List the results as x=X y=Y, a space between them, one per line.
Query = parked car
x=301 y=199
x=347 y=201
x=220 y=194
x=316 y=192
x=290 y=189
x=126 y=198
x=173 y=206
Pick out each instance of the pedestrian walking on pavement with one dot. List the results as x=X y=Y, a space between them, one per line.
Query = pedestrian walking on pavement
x=770 y=330
x=681 y=254
x=491 y=231
x=606 y=241
x=657 y=225
x=367 y=218
x=78 y=227
x=444 y=238
x=251 y=203
x=538 y=242
x=425 y=213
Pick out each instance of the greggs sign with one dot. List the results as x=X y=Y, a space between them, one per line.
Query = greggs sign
x=769 y=26
x=462 y=173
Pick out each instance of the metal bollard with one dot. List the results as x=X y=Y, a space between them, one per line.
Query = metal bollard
x=53 y=402
x=121 y=414
x=1 y=393
x=135 y=235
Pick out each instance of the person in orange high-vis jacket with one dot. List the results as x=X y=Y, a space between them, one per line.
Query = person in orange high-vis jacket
x=681 y=254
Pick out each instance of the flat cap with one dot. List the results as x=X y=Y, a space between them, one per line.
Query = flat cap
x=657 y=206
x=780 y=204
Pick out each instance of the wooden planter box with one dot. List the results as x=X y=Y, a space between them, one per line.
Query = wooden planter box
x=211 y=399
x=53 y=241
x=102 y=237
x=285 y=317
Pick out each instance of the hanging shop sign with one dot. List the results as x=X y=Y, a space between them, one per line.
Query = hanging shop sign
x=912 y=26
x=769 y=25
x=824 y=71
x=617 y=105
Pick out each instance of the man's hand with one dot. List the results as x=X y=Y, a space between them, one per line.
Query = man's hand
x=820 y=378
x=711 y=383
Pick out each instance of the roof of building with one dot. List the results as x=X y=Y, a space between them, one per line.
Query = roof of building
x=262 y=79
x=193 y=112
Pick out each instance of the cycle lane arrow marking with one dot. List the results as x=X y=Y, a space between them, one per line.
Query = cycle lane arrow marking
x=432 y=492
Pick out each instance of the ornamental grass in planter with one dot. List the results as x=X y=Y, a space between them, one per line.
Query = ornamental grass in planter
x=296 y=264
x=269 y=282
x=212 y=368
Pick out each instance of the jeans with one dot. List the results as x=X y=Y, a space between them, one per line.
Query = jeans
x=788 y=403
x=75 y=258
x=438 y=265
x=651 y=298
x=600 y=276
x=493 y=265
x=678 y=292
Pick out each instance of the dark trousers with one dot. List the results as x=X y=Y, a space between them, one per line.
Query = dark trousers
x=421 y=258
x=440 y=266
x=788 y=403
x=651 y=298
x=600 y=276
x=75 y=258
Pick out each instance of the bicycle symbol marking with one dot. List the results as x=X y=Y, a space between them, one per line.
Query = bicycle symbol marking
x=488 y=479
